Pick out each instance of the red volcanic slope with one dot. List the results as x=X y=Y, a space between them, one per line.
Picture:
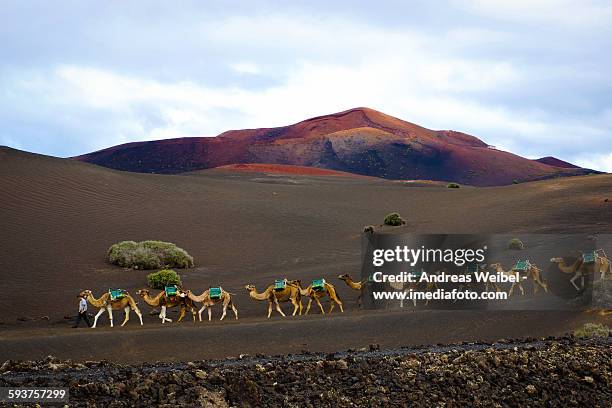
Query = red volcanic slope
x=553 y=161
x=286 y=169
x=361 y=141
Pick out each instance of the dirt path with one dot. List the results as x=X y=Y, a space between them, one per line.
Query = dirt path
x=217 y=340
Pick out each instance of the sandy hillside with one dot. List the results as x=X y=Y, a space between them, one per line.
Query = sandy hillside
x=60 y=216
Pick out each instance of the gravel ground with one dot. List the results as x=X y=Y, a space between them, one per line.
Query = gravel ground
x=548 y=372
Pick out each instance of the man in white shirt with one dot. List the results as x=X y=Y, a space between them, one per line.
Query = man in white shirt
x=82 y=312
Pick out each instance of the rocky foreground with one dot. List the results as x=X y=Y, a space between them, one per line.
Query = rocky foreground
x=549 y=372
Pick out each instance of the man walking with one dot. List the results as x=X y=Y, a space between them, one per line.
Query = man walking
x=82 y=312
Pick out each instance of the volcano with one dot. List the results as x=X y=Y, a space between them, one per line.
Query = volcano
x=360 y=141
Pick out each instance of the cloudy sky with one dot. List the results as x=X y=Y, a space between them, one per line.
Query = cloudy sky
x=532 y=77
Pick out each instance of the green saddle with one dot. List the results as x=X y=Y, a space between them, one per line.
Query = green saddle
x=521 y=266
x=171 y=290
x=589 y=257
x=280 y=284
x=417 y=274
x=214 y=293
x=318 y=285
x=117 y=294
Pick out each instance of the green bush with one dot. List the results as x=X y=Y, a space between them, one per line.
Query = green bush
x=452 y=185
x=163 y=278
x=394 y=219
x=149 y=255
x=516 y=243
x=592 y=330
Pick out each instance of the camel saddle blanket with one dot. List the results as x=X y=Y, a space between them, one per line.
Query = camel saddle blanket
x=521 y=266
x=171 y=291
x=589 y=257
x=318 y=285
x=214 y=293
x=280 y=284
x=117 y=294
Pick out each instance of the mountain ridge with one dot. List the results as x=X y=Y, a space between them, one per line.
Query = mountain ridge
x=359 y=140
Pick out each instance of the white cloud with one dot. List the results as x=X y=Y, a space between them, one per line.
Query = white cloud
x=597 y=161
x=462 y=74
x=245 y=68
x=573 y=13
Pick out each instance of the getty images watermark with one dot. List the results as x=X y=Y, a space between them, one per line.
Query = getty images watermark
x=485 y=271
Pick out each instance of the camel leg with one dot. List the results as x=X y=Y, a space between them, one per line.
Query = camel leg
x=200 y=312
x=308 y=306
x=339 y=302
x=320 y=305
x=573 y=281
x=301 y=306
x=295 y=306
x=96 y=318
x=331 y=305
x=137 y=311
x=235 y=311
x=278 y=309
x=224 y=312
x=520 y=285
x=127 y=315
x=193 y=313
x=269 y=309
x=182 y=314
x=511 y=289
x=209 y=313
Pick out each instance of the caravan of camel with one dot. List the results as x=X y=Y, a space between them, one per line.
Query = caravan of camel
x=284 y=290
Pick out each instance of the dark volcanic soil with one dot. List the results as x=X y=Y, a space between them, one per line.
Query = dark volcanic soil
x=60 y=216
x=553 y=372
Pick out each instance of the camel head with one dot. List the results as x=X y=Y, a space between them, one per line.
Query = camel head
x=495 y=266
x=249 y=287
x=184 y=293
x=143 y=292
x=345 y=277
x=556 y=260
x=85 y=293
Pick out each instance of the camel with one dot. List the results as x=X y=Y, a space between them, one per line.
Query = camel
x=581 y=269
x=208 y=302
x=105 y=302
x=413 y=286
x=165 y=302
x=408 y=287
x=359 y=286
x=575 y=268
x=291 y=293
x=600 y=266
x=532 y=272
x=317 y=295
